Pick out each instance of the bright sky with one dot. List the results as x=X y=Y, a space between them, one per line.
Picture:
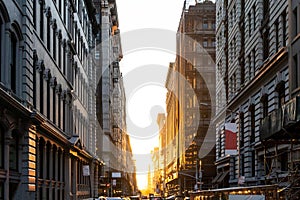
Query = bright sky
x=144 y=68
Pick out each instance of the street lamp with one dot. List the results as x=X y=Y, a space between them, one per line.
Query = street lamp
x=200 y=175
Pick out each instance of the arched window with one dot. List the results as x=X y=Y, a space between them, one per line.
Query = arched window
x=13 y=63
x=4 y=18
x=42 y=20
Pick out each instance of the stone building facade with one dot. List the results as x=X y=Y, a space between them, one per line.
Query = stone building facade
x=48 y=127
x=191 y=84
x=257 y=73
x=113 y=142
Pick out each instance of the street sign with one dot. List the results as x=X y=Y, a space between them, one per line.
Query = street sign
x=85 y=170
x=114 y=182
x=116 y=174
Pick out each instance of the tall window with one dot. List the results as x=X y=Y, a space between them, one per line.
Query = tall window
x=54 y=42
x=13 y=152
x=41 y=92
x=253 y=62
x=34 y=14
x=54 y=104
x=34 y=82
x=1 y=41
x=205 y=25
x=264 y=102
x=295 y=18
x=41 y=159
x=48 y=98
x=13 y=64
x=65 y=11
x=253 y=163
x=242 y=167
x=59 y=51
x=283 y=15
x=64 y=60
x=276 y=29
x=1 y=147
x=252 y=123
x=64 y=114
x=42 y=20
x=266 y=9
x=242 y=126
x=220 y=144
x=249 y=23
x=284 y=161
x=59 y=110
x=48 y=33
x=254 y=17
x=266 y=44
x=295 y=72
x=59 y=6
x=281 y=95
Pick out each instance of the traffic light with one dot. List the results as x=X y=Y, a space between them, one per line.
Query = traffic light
x=107 y=185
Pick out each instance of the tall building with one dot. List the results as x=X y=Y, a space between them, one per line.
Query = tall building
x=162 y=149
x=257 y=89
x=48 y=126
x=191 y=84
x=113 y=143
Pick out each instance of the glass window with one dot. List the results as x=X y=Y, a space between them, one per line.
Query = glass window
x=34 y=14
x=48 y=34
x=205 y=43
x=205 y=25
x=1 y=33
x=13 y=64
x=242 y=122
x=13 y=152
x=1 y=147
x=41 y=21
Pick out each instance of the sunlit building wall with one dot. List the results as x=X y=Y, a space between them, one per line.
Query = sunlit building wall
x=171 y=124
x=191 y=84
x=161 y=122
x=113 y=144
x=47 y=100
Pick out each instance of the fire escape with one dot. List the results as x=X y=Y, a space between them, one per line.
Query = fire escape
x=280 y=134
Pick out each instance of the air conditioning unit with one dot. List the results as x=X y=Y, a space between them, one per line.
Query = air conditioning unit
x=291 y=112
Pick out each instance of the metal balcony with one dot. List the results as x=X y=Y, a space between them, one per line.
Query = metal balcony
x=282 y=124
x=271 y=126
